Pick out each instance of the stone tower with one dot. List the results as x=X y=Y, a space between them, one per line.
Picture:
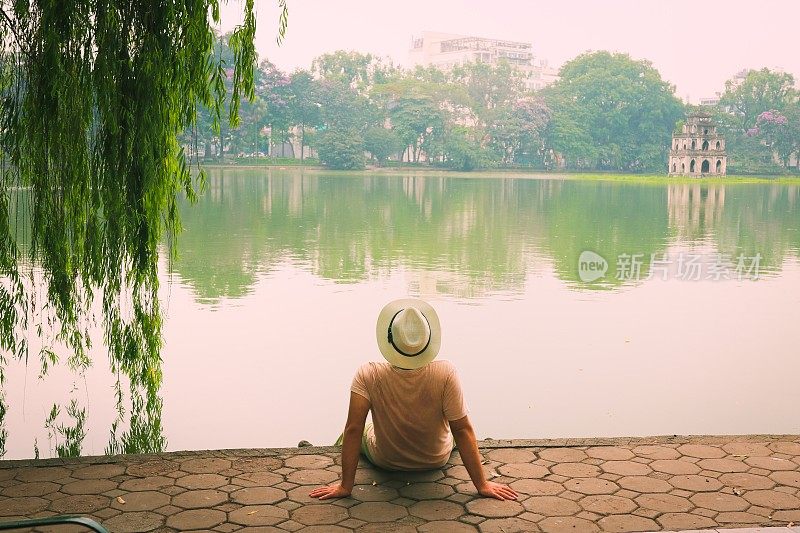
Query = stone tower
x=698 y=150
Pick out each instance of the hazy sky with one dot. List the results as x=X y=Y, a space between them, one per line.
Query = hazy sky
x=696 y=45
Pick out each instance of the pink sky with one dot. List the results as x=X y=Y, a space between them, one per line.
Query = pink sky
x=695 y=45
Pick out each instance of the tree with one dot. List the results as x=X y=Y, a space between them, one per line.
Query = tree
x=341 y=149
x=516 y=130
x=382 y=143
x=355 y=70
x=94 y=97
x=304 y=105
x=762 y=90
x=611 y=112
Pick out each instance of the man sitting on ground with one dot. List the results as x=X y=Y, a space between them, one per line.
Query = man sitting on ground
x=417 y=406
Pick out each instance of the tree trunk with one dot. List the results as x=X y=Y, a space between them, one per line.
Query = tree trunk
x=302 y=142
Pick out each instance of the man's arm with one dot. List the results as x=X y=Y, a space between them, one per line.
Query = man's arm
x=351 y=448
x=468 y=448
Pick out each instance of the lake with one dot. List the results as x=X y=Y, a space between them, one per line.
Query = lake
x=570 y=308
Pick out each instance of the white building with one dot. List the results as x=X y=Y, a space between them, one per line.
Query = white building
x=446 y=50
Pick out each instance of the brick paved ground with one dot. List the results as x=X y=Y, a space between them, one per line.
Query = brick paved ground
x=575 y=485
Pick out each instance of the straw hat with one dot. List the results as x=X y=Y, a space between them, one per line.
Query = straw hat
x=408 y=332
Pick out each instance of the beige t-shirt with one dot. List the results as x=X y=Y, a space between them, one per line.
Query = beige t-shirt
x=410 y=413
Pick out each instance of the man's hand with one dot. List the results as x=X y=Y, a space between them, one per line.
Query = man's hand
x=497 y=490
x=331 y=491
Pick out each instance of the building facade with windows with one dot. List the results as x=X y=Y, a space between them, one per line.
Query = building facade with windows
x=446 y=50
x=698 y=150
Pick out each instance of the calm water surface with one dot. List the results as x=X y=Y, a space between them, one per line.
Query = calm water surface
x=280 y=276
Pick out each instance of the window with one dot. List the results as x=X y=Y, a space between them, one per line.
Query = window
x=691 y=167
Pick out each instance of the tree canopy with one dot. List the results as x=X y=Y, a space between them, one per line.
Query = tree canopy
x=94 y=95
x=612 y=112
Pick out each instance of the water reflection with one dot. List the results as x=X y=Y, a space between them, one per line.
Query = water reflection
x=464 y=237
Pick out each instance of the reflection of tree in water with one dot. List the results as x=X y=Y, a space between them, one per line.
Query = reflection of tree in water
x=137 y=428
x=739 y=219
x=463 y=236
x=348 y=229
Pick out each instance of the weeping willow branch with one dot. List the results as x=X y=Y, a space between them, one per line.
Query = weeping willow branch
x=92 y=96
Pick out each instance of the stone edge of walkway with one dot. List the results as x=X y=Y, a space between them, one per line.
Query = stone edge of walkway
x=483 y=444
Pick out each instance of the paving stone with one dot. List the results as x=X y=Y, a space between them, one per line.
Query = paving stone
x=309 y=461
x=257 y=495
x=610 y=453
x=36 y=488
x=169 y=510
x=319 y=514
x=507 y=525
x=790 y=515
x=644 y=484
x=569 y=470
x=787 y=447
x=196 y=519
x=196 y=499
x=696 y=483
x=289 y=505
x=101 y=471
x=656 y=452
x=750 y=449
x=88 y=486
x=626 y=468
x=723 y=465
x=627 y=523
x=460 y=498
x=315 y=529
x=747 y=481
x=684 y=521
x=738 y=518
x=378 y=511
x=563 y=455
x=151 y=468
x=718 y=501
x=491 y=508
x=256 y=464
x=202 y=481
x=511 y=455
x=426 y=491
x=134 y=522
x=674 y=466
x=378 y=493
x=446 y=526
x=771 y=463
x=591 y=486
x=436 y=510
x=312 y=477
x=420 y=476
x=141 y=501
x=146 y=483
x=537 y=487
x=458 y=472
x=551 y=506
x=42 y=473
x=791 y=479
x=772 y=499
x=205 y=465
x=523 y=470
x=604 y=504
x=665 y=503
x=352 y=523
x=701 y=451
x=563 y=524
x=396 y=527
x=257 y=479
x=80 y=504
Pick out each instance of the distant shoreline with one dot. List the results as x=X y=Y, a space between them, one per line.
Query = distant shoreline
x=659 y=179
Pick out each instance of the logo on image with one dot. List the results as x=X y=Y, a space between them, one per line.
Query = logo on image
x=591 y=266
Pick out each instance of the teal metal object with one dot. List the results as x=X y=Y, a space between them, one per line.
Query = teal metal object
x=54 y=520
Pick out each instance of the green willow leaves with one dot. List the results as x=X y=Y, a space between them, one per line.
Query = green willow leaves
x=92 y=96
